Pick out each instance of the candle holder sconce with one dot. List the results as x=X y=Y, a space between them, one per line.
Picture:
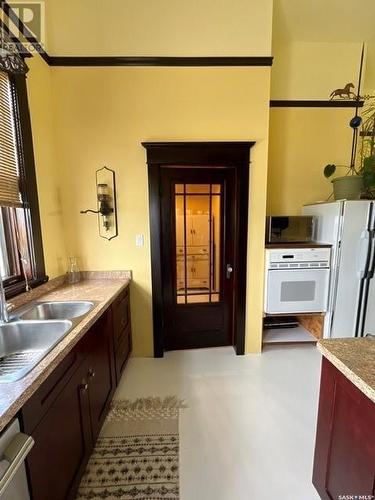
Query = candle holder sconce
x=106 y=203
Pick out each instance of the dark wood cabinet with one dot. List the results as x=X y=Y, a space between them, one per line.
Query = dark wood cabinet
x=66 y=413
x=63 y=442
x=344 y=462
x=100 y=374
x=122 y=332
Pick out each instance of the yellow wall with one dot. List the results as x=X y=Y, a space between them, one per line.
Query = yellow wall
x=301 y=142
x=306 y=70
x=369 y=76
x=40 y=102
x=159 y=27
x=102 y=116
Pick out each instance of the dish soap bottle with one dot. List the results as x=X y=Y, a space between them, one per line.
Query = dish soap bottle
x=74 y=276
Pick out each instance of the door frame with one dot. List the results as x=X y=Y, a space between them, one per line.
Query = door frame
x=228 y=155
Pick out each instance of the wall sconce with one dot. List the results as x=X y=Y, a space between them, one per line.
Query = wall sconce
x=106 y=201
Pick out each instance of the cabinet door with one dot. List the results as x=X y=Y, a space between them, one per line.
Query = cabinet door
x=121 y=314
x=201 y=268
x=122 y=332
x=100 y=373
x=344 y=463
x=189 y=230
x=62 y=442
x=190 y=271
x=201 y=230
x=122 y=352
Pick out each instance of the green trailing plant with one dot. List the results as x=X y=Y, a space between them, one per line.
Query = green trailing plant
x=331 y=168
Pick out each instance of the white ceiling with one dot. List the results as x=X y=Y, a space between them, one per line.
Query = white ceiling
x=324 y=20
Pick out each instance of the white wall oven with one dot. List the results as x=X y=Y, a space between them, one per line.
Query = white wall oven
x=297 y=280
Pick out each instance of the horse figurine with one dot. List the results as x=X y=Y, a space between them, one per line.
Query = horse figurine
x=346 y=92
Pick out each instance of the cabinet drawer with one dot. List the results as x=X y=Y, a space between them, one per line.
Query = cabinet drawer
x=121 y=315
x=122 y=352
x=198 y=283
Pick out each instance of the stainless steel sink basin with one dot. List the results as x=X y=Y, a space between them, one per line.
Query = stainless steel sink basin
x=58 y=310
x=23 y=344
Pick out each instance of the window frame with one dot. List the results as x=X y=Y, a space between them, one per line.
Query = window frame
x=28 y=186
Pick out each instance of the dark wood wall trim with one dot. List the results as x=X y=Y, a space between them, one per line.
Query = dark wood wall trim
x=131 y=60
x=205 y=154
x=315 y=104
x=159 y=61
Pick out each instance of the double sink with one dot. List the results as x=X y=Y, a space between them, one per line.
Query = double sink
x=33 y=332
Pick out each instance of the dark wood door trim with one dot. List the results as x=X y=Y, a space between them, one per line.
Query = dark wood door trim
x=234 y=155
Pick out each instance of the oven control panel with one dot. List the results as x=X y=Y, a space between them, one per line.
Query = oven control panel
x=297 y=258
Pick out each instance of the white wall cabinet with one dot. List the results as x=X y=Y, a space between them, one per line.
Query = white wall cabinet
x=197 y=230
x=197 y=251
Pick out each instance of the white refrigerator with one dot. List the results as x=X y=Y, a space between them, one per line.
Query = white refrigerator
x=349 y=226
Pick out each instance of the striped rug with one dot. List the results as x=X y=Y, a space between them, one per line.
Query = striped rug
x=137 y=453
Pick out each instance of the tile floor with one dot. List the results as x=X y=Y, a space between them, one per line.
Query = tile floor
x=249 y=429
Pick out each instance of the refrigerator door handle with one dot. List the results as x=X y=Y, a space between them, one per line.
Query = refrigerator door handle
x=371 y=268
x=363 y=255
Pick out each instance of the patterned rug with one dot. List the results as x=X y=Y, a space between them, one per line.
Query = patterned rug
x=136 y=454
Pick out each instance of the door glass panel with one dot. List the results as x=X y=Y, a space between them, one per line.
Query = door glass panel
x=198 y=188
x=198 y=243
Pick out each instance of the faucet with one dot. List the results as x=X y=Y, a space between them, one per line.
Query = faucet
x=4 y=306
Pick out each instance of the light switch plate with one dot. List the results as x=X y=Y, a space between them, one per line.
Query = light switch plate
x=139 y=240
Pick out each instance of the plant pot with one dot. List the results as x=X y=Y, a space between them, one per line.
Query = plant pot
x=348 y=187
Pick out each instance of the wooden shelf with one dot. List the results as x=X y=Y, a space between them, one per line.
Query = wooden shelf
x=283 y=103
x=288 y=336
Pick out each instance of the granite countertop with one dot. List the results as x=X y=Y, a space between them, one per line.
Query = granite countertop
x=355 y=358
x=101 y=287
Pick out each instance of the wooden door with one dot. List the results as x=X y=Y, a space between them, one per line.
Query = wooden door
x=197 y=257
x=232 y=159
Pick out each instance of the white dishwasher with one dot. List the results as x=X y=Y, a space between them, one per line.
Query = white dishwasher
x=14 y=447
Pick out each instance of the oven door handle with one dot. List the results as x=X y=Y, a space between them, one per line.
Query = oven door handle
x=15 y=454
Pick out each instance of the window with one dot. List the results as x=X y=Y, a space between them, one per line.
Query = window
x=21 y=256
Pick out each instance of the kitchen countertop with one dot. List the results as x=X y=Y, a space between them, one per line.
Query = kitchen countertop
x=354 y=358
x=101 y=287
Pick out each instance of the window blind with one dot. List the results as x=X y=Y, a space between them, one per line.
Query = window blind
x=9 y=165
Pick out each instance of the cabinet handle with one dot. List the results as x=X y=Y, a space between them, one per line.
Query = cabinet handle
x=91 y=373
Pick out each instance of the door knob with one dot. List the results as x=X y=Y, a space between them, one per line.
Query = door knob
x=229 y=271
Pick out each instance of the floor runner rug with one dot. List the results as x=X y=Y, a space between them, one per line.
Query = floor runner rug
x=137 y=453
